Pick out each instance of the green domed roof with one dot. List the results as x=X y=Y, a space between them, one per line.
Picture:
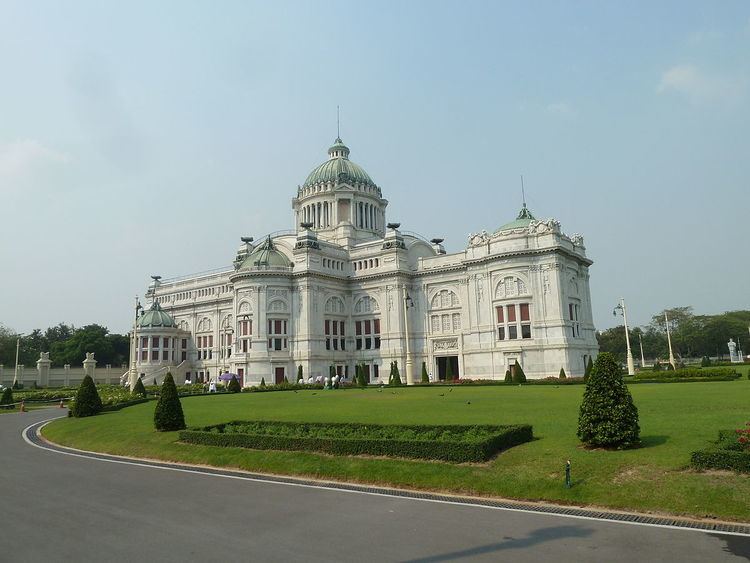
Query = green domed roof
x=156 y=317
x=523 y=220
x=338 y=168
x=266 y=256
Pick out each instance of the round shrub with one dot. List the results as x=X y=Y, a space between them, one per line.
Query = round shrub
x=234 y=385
x=138 y=389
x=87 y=401
x=608 y=417
x=6 y=401
x=168 y=414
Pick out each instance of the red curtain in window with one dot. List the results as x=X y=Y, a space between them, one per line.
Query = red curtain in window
x=511 y=313
x=524 y=307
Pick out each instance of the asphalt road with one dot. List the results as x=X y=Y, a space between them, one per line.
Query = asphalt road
x=55 y=507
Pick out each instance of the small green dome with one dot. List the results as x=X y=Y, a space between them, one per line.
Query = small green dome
x=524 y=219
x=266 y=256
x=338 y=168
x=156 y=317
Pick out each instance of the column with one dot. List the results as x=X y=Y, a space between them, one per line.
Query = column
x=42 y=367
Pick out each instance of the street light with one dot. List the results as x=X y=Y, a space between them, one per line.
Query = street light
x=669 y=341
x=15 y=373
x=621 y=309
x=408 y=304
x=134 y=359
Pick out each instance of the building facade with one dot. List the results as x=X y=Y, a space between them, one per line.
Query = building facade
x=346 y=287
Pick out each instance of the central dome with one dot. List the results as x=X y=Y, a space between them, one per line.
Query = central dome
x=338 y=168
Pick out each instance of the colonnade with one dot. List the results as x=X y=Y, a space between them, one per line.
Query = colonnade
x=323 y=214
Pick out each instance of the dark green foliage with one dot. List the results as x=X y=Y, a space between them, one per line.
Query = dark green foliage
x=589 y=367
x=87 y=401
x=361 y=377
x=7 y=399
x=725 y=453
x=395 y=379
x=299 y=372
x=286 y=380
x=448 y=443
x=234 y=385
x=17 y=385
x=518 y=375
x=657 y=366
x=262 y=381
x=138 y=389
x=168 y=414
x=508 y=376
x=449 y=371
x=425 y=375
x=689 y=373
x=670 y=367
x=562 y=374
x=608 y=417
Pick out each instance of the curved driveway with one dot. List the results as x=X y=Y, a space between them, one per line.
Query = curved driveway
x=59 y=507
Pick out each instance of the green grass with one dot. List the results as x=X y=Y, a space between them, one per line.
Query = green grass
x=675 y=419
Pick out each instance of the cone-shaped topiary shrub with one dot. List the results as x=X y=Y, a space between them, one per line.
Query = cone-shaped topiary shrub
x=448 y=371
x=87 y=401
x=425 y=375
x=6 y=401
x=138 y=389
x=508 y=376
x=608 y=418
x=262 y=382
x=589 y=367
x=518 y=375
x=396 y=379
x=299 y=372
x=562 y=374
x=361 y=377
x=234 y=385
x=168 y=414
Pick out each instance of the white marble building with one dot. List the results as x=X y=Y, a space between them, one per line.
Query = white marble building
x=346 y=287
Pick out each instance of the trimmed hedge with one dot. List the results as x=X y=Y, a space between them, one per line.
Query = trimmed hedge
x=446 y=443
x=725 y=453
x=168 y=414
x=690 y=373
x=6 y=401
x=87 y=401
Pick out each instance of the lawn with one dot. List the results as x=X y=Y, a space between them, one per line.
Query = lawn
x=675 y=419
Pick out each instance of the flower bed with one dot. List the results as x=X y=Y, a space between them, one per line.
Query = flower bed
x=447 y=443
x=730 y=451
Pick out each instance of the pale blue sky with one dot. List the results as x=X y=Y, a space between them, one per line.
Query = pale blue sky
x=145 y=138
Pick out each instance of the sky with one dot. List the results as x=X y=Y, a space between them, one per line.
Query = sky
x=146 y=138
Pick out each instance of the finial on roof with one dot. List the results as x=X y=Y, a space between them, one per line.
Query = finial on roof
x=338 y=125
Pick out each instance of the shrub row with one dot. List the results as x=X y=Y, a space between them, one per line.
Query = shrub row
x=369 y=441
x=286 y=387
x=725 y=453
x=689 y=373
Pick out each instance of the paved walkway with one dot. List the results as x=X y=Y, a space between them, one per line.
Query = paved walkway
x=66 y=508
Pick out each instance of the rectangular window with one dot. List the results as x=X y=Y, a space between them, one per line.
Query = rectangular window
x=335 y=328
x=165 y=355
x=327 y=327
x=511 y=313
x=343 y=344
x=524 y=309
x=375 y=370
x=277 y=327
x=368 y=343
x=165 y=343
x=377 y=342
x=367 y=327
x=241 y=373
x=335 y=343
x=154 y=355
x=501 y=333
x=229 y=339
x=376 y=324
x=245 y=345
x=341 y=326
x=155 y=342
x=184 y=356
x=211 y=341
x=358 y=328
x=328 y=343
x=570 y=311
x=500 y=316
x=359 y=343
x=144 y=342
x=512 y=332
x=144 y=355
x=183 y=344
x=525 y=331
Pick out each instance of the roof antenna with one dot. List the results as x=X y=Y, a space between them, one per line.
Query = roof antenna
x=523 y=193
x=338 y=123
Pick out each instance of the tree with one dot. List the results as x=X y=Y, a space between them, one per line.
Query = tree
x=589 y=367
x=608 y=417
x=168 y=414
x=395 y=380
x=234 y=385
x=508 y=376
x=299 y=373
x=518 y=375
x=262 y=381
x=425 y=375
x=6 y=401
x=562 y=374
x=138 y=389
x=87 y=401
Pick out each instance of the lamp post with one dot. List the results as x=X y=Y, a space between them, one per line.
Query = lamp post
x=621 y=309
x=669 y=341
x=643 y=359
x=15 y=373
x=134 y=357
x=408 y=304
